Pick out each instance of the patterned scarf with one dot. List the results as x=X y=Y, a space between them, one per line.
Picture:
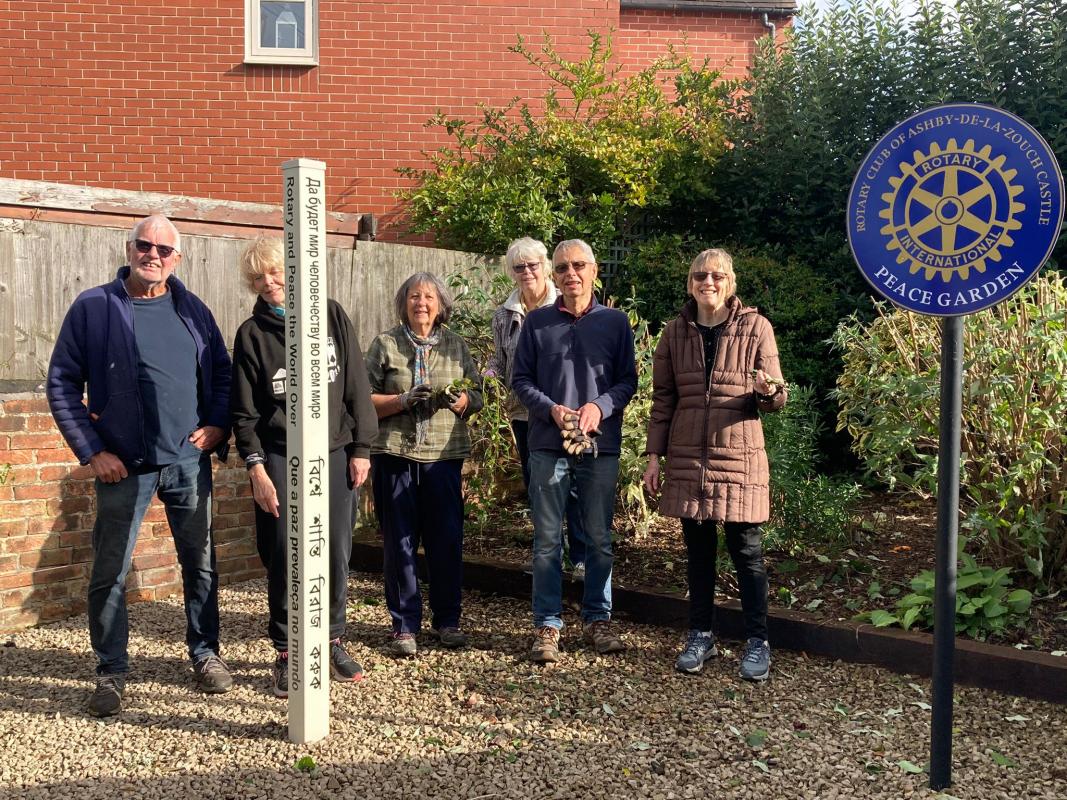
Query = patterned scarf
x=421 y=374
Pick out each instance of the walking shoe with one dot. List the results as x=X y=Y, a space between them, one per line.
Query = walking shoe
x=450 y=636
x=280 y=674
x=212 y=675
x=403 y=645
x=342 y=666
x=578 y=573
x=106 y=699
x=602 y=638
x=699 y=647
x=756 y=661
x=545 y=647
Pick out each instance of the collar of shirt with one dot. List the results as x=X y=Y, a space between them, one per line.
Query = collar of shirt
x=563 y=307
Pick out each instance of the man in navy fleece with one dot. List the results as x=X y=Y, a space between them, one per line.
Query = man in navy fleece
x=158 y=378
x=574 y=367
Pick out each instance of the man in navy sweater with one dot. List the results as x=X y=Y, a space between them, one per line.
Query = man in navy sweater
x=158 y=378
x=574 y=368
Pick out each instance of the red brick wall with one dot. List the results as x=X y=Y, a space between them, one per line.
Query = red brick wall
x=154 y=96
x=47 y=508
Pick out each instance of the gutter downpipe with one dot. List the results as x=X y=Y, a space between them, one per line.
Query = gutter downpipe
x=769 y=26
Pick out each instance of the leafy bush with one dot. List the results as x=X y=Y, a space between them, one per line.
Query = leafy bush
x=808 y=510
x=492 y=473
x=985 y=602
x=1014 y=446
x=594 y=152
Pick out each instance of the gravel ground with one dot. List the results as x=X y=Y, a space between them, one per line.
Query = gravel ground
x=485 y=723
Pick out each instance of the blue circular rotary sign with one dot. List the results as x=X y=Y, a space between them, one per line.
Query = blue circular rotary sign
x=955 y=209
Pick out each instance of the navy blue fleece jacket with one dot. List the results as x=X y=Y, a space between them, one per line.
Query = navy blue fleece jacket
x=567 y=360
x=97 y=351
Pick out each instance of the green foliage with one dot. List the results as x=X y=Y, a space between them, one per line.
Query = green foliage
x=986 y=604
x=801 y=305
x=807 y=113
x=493 y=470
x=594 y=152
x=632 y=501
x=1014 y=444
x=808 y=510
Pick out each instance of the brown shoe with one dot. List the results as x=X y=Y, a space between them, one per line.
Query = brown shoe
x=545 y=647
x=602 y=638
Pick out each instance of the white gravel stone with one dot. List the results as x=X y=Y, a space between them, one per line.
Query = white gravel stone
x=486 y=723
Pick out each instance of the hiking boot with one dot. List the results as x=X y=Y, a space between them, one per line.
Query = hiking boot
x=756 y=661
x=403 y=645
x=279 y=674
x=106 y=699
x=212 y=675
x=602 y=637
x=450 y=636
x=545 y=647
x=342 y=666
x=699 y=647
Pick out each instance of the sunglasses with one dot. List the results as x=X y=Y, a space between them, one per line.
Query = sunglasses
x=145 y=246
x=700 y=277
x=562 y=267
x=526 y=266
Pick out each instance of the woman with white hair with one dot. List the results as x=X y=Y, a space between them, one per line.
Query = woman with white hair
x=528 y=265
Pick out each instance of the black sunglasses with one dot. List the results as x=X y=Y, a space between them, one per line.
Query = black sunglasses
x=145 y=246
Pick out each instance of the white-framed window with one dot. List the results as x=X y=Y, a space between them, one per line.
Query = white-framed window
x=282 y=32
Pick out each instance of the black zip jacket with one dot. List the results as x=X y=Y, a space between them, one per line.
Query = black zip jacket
x=259 y=387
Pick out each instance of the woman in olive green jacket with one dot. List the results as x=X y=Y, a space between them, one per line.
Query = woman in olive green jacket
x=424 y=386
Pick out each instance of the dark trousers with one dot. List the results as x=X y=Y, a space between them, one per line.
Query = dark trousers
x=420 y=502
x=272 y=542
x=743 y=542
x=576 y=538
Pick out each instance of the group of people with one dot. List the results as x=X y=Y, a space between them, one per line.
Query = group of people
x=142 y=387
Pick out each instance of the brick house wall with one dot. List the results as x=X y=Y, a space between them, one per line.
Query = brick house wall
x=154 y=96
x=46 y=525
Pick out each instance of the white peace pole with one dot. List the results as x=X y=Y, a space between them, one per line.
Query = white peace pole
x=307 y=489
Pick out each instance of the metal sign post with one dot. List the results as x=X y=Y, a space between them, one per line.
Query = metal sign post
x=953 y=211
x=306 y=496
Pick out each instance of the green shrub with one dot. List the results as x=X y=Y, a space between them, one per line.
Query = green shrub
x=1014 y=446
x=808 y=510
x=985 y=602
x=493 y=471
x=594 y=152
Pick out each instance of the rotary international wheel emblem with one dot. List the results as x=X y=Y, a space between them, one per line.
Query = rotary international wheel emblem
x=951 y=210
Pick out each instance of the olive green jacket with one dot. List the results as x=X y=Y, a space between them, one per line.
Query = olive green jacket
x=390 y=366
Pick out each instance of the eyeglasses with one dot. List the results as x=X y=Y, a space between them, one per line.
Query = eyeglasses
x=145 y=246
x=700 y=277
x=526 y=266
x=562 y=267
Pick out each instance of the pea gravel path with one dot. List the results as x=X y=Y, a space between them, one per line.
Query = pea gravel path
x=485 y=723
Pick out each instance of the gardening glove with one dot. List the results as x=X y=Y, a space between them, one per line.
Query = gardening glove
x=416 y=396
x=575 y=442
x=446 y=397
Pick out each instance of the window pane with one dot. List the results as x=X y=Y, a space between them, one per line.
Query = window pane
x=281 y=24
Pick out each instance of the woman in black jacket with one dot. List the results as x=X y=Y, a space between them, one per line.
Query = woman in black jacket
x=258 y=407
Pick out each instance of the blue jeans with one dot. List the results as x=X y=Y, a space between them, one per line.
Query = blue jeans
x=575 y=542
x=552 y=475
x=185 y=490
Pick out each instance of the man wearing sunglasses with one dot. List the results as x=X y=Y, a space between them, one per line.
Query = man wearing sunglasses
x=153 y=365
x=575 y=373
